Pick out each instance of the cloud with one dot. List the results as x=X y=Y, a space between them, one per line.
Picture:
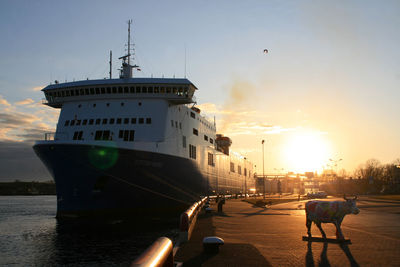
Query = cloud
x=255 y=129
x=26 y=120
x=4 y=102
x=242 y=121
x=25 y=102
x=37 y=88
x=4 y=134
x=15 y=120
x=239 y=93
x=21 y=124
x=210 y=108
x=32 y=134
x=22 y=127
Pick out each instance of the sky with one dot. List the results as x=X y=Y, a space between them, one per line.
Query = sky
x=328 y=88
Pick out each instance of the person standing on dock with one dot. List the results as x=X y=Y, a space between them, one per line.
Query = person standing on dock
x=220 y=203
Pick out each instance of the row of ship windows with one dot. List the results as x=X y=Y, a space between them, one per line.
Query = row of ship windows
x=129 y=135
x=107 y=135
x=193 y=115
x=196 y=132
x=77 y=122
x=175 y=123
x=103 y=121
x=108 y=104
x=193 y=153
x=239 y=169
x=211 y=162
x=180 y=91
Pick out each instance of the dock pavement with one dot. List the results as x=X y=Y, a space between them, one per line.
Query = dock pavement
x=272 y=236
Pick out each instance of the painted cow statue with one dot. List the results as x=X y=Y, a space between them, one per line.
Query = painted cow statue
x=329 y=212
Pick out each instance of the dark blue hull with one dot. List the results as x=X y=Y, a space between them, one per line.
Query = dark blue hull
x=101 y=181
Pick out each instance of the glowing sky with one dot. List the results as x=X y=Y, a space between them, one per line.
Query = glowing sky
x=330 y=80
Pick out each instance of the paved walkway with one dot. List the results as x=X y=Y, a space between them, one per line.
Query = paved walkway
x=273 y=237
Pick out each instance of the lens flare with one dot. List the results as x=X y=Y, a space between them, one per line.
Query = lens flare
x=103 y=157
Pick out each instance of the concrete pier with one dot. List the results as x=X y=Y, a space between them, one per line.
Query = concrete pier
x=272 y=236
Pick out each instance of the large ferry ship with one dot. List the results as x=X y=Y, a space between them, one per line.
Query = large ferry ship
x=130 y=146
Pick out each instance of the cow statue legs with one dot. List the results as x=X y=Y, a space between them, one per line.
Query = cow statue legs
x=320 y=229
x=339 y=234
x=308 y=224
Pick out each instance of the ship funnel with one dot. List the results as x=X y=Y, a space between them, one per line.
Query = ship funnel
x=223 y=143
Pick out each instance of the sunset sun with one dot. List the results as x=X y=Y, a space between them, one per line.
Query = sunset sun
x=305 y=152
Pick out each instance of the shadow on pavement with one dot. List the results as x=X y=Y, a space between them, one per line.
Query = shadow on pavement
x=230 y=255
x=260 y=207
x=346 y=250
x=221 y=214
x=256 y=213
x=323 y=259
x=323 y=262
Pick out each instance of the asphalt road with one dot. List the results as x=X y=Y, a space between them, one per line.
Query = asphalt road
x=272 y=236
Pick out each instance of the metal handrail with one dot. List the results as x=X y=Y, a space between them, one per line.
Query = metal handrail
x=49 y=136
x=160 y=253
x=53 y=136
x=188 y=220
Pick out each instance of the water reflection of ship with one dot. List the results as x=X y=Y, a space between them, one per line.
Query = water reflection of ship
x=89 y=243
x=135 y=145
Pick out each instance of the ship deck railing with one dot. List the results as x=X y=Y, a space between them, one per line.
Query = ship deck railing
x=54 y=136
x=173 y=98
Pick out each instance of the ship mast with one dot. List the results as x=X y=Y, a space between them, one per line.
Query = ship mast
x=127 y=68
x=129 y=41
x=110 y=64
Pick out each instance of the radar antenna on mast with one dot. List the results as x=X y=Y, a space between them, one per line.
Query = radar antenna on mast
x=126 y=71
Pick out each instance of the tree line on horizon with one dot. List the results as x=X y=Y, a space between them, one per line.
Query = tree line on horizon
x=27 y=188
x=371 y=177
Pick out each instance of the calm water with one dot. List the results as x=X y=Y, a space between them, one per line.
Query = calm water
x=30 y=235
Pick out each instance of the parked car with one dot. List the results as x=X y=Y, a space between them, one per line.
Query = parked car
x=319 y=194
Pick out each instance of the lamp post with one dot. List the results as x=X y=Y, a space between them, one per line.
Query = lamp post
x=245 y=177
x=263 y=169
